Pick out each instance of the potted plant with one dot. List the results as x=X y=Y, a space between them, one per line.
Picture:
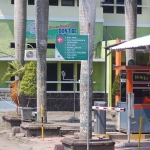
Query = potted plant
x=28 y=88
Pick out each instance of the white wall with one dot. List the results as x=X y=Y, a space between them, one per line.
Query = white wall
x=57 y=13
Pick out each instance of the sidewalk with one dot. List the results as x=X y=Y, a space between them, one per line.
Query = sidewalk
x=61 y=118
x=8 y=142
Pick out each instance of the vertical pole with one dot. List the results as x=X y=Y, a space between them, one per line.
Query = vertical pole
x=74 y=97
x=105 y=67
x=129 y=100
x=129 y=81
x=42 y=115
x=140 y=130
x=129 y=90
x=88 y=90
x=118 y=63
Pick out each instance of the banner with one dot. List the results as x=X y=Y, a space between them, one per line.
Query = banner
x=54 y=28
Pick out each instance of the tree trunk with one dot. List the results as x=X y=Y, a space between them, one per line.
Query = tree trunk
x=20 y=10
x=130 y=26
x=41 y=23
x=20 y=7
x=87 y=13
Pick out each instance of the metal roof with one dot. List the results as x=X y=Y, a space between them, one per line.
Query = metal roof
x=139 y=43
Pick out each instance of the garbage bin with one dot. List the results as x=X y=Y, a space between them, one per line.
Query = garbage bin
x=99 y=118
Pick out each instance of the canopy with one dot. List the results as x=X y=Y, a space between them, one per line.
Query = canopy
x=138 y=43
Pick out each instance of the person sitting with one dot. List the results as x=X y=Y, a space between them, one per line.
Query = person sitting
x=146 y=99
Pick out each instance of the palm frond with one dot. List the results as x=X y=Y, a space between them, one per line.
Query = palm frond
x=14 y=69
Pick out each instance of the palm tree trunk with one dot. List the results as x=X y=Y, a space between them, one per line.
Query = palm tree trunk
x=130 y=26
x=41 y=23
x=20 y=10
x=20 y=7
x=87 y=13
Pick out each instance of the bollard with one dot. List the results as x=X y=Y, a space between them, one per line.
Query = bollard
x=42 y=128
x=99 y=118
x=140 y=130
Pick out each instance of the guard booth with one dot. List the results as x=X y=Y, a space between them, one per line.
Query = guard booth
x=138 y=80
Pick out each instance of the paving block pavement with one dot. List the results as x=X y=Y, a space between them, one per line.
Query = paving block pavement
x=61 y=118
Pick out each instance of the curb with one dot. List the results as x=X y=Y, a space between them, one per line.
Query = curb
x=111 y=133
x=69 y=131
x=121 y=136
x=131 y=144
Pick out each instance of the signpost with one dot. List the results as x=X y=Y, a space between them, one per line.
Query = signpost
x=71 y=47
x=74 y=47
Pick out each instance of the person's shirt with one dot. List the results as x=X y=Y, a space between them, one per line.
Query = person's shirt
x=146 y=100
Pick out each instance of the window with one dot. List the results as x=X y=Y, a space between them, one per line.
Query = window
x=139 y=9
x=108 y=9
x=68 y=68
x=120 y=2
x=31 y=45
x=52 y=76
x=78 y=76
x=51 y=46
x=53 y=2
x=120 y=9
x=67 y=3
x=12 y=78
x=108 y=2
x=12 y=1
x=12 y=45
x=30 y=2
x=139 y=2
x=77 y=2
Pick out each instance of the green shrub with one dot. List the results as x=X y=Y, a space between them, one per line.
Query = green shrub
x=28 y=85
x=116 y=86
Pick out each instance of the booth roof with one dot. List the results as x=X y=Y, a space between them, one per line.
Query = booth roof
x=138 y=43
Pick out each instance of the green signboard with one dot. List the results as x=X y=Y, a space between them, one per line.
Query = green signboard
x=54 y=28
x=71 y=47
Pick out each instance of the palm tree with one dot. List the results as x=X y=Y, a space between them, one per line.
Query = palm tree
x=20 y=28
x=41 y=24
x=130 y=26
x=20 y=7
x=14 y=69
x=87 y=13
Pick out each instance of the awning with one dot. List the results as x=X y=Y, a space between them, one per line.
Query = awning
x=138 y=43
